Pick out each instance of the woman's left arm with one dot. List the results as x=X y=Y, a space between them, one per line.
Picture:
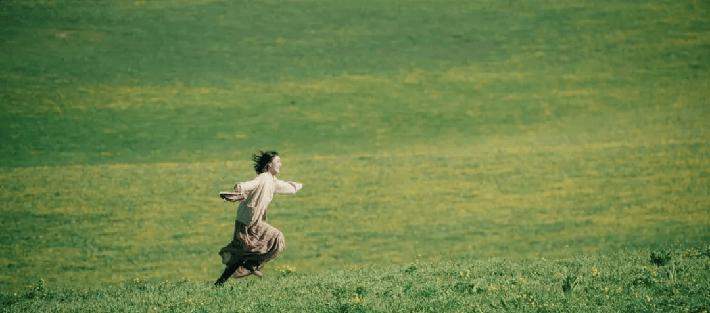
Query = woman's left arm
x=287 y=187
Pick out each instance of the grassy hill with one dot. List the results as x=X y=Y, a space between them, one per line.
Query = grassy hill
x=671 y=281
x=446 y=131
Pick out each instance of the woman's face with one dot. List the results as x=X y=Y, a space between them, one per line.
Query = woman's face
x=275 y=165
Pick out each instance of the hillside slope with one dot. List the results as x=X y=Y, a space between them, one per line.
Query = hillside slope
x=444 y=130
x=662 y=281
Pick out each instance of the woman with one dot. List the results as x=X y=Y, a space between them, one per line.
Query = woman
x=255 y=242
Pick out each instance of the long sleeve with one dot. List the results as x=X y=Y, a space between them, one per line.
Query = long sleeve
x=283 y=187
x=248 y=186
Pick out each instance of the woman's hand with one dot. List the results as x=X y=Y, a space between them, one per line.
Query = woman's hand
x=296 y=185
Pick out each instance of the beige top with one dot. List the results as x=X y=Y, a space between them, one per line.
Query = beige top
x=259 y=192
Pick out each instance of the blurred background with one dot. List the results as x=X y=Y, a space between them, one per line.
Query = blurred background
x=429 y=130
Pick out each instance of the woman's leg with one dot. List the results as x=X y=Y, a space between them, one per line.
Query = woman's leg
x=252 y=253
x=228 y=271
x=227 y=254
x=269 y=249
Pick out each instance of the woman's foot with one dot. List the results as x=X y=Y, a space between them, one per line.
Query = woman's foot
x=257 y=273
x=254 y=269
x=241 y=272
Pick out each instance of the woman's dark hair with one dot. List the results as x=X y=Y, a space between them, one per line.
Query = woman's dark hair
x=262 y=159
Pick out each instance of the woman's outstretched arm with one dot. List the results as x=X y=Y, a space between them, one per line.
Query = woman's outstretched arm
x=287 y=187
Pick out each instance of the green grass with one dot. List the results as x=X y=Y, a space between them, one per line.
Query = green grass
x=612 y=283
x=157 y=81
x=446 y=131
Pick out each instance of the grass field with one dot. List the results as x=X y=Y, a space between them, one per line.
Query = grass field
x=442 y=131
x=612 y=283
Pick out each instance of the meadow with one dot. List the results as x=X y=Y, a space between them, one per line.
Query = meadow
x=671 y=281
x=459 y=134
